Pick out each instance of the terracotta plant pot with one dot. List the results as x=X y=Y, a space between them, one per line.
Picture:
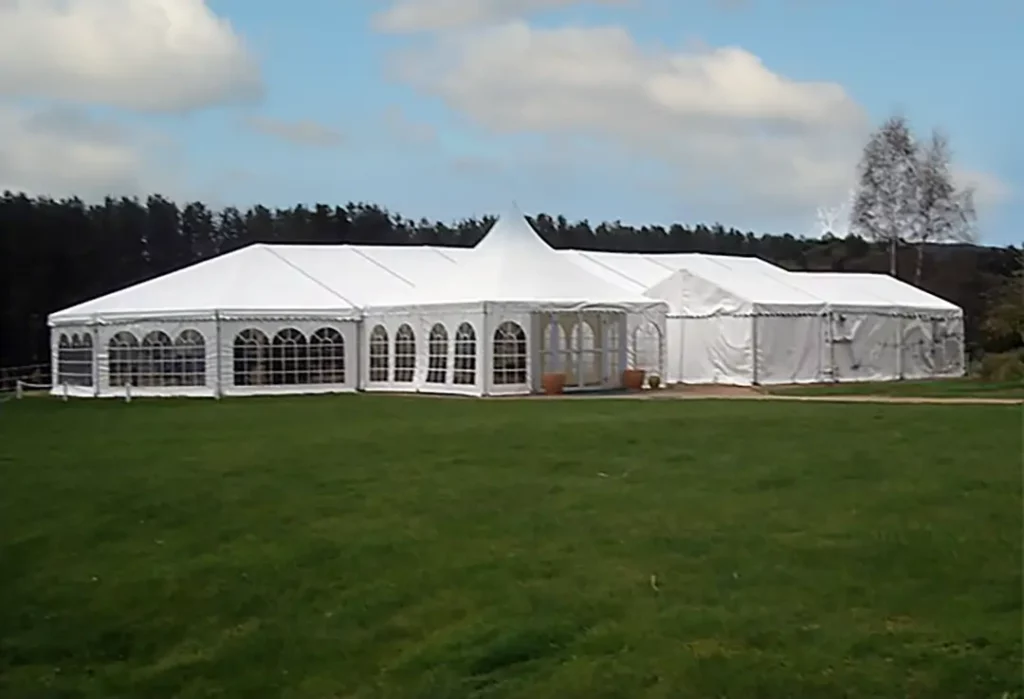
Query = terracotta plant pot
x=554 y=384
x=633 y=379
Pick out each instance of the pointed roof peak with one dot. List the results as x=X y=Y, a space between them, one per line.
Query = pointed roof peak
x=512 y=229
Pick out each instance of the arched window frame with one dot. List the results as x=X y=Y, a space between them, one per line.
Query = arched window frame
x=405 y=354
x=123 y=359
x=437 y=351
x=251 y=358
x=154 y=355
x=289 y=358
x=188 y=367
x=379 y=355
x=327 y=357
x=509 y=355
x=613 y=348
x=464 y=359
x=647 y=347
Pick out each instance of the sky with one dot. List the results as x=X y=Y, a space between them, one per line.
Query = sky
x=751 y=113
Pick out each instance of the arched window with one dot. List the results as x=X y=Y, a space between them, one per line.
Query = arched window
x=379 y=354
x=437 y=348
x=74 y=359
x=65 y=359
x=289 y=358
x=612 y=349
x=554 y=345
x=509 y=354
x=85 y=360
x=647 y=347
x=327 y=357
x=252 y=358
x=189 y=365
x=590 y=352
x=123 y=359
x=464 y=373
x=405 y=354
x=154 y=358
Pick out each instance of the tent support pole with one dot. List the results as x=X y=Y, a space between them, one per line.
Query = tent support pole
x=218 y=390
x=487 y=357
x=832 y=348
x=95 y=364
x=899 y=347
x=753 y=349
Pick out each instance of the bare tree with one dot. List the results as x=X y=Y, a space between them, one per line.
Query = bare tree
x=835 y=220
x=945 y=214
x=886 y=206
x=906 y=193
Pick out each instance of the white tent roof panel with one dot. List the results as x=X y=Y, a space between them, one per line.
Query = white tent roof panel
x=252 y=278
x=738 y=278
x=863 y=288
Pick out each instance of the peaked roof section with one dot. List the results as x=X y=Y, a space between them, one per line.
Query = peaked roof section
x=512 y=263
x=251 y=278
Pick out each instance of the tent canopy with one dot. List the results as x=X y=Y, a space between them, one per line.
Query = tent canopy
x=872 y=290
x=512 y=264
x=702 y=285
x=699 y=284
x=254 y=278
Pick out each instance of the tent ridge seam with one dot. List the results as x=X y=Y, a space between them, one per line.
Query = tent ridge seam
x=384 y=267
x=309 y=276
x=611 y=269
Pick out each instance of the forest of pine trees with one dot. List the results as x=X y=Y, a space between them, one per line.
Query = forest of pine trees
x=57 y=253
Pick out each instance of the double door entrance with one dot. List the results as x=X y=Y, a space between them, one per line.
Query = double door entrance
x=587 y=346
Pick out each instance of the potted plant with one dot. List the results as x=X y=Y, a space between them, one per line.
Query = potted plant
x=654 y=382
x=553 y=383
x=633 y=379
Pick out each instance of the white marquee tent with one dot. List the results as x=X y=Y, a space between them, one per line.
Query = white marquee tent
x=491 y=320
x=312 y=319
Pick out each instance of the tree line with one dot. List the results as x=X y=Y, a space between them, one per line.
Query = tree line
x=56 y=253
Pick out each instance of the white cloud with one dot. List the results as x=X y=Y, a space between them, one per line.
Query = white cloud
x=311 y=134
x=989 y=190
x=154 y=55
x=407 y=16
x=64 y=152
x=733 y=130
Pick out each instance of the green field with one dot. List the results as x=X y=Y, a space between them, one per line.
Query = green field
x=378 y=547
x=945 y=388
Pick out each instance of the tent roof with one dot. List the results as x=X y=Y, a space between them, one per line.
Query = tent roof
x=748 y=281
x=865 y=289
x=511 y=264
x=252 y=278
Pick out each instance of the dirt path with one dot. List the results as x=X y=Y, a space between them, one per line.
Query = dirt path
x=914 y=400
x=742 y=393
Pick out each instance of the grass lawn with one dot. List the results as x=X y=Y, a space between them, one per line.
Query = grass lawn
x=943 y=388
x=379 y=547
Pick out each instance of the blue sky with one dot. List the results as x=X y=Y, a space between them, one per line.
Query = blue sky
x=647 y=111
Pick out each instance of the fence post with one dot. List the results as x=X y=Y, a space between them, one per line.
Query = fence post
x=19 y=390
x=128 y=392
x=64 y=391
